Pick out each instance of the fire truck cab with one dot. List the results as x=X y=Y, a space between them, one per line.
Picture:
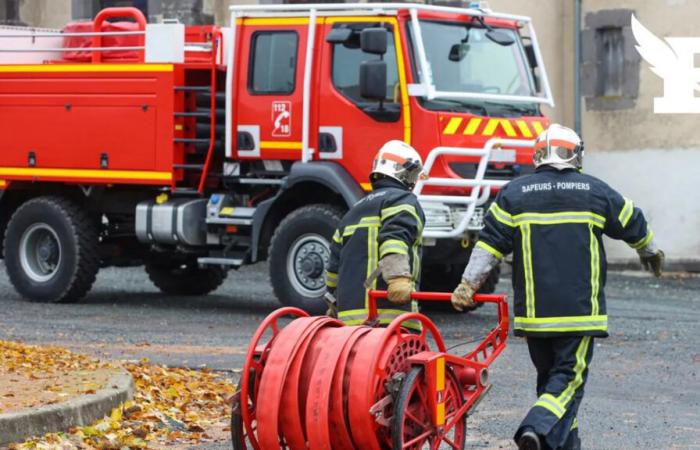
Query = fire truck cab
x=193 y=150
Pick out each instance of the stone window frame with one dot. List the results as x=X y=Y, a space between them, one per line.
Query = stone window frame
x=592 y=60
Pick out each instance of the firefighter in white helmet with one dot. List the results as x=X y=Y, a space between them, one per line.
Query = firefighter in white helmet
x=553 y=221
x=380 y=233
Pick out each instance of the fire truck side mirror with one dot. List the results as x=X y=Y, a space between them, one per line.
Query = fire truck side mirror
x=532 y=61
x=373 y=80
x=373 y=41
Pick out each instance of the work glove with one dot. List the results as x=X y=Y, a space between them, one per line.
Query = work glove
x=463 y=297
x=399 y=290
x=653 y=263
x=332 y=303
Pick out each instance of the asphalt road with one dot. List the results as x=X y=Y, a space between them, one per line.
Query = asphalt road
x=643 y=390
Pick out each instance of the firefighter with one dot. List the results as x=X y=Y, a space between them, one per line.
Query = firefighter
x=553 y=222
x=380 y=234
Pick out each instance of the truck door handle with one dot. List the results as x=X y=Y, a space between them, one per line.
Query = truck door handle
x=326 y=143
x=245 y=141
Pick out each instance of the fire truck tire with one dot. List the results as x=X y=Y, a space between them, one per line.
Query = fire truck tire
x=51 y=250
x=299 y=253
x=185 y=278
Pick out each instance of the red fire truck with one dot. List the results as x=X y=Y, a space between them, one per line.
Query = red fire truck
x=193 y=150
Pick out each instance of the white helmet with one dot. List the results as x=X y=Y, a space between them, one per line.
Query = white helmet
x=399 y=161
x=559 y=147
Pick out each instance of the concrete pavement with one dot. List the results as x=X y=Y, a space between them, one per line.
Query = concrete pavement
x=643 y=389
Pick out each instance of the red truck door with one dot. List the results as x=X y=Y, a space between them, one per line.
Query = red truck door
x=270 y=73
x=352 y=129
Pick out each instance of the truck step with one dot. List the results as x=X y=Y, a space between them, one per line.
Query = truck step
x=188 y=166
x=192 y=88
x=191 y=141
x=204 y=100
x=185 y=191
x=201 y=113
x=211 y=261
x=229 y=221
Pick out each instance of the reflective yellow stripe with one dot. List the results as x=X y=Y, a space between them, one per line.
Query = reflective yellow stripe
x=58 y=68
x=85 y=173
x=561 y=324
x=626 y=213
x=524 y=129
x=385 y=317
x=595 y=270
x=331 y=279
x=557 y=405
x=549 y=402
x=472 y=126
x=452 y=125
x=527 y=268
x=574 y=425
x=489 y=249
x=366 y=222
x=579 y=368
x=336 y=237
x=501 y=215
x=372 y=260
x=393 y=246
x=280 y=145
x=560 y=218
x=644 y=241
x=393 y=210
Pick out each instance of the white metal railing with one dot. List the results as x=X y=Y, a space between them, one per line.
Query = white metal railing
x=480 y=186
x=424 y=88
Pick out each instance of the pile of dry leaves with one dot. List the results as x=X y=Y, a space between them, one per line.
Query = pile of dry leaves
x=171 y=407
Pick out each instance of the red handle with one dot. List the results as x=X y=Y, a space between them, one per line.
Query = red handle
x=374 y=295
x=111 y=13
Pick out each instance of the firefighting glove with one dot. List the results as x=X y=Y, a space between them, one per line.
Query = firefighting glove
x=399 y=290
x=463 y=297
x=331 y=303
x=653 y=263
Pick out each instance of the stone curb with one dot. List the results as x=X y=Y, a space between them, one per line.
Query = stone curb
x=80 y=411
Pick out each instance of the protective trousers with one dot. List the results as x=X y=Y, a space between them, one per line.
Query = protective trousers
x=562 y=368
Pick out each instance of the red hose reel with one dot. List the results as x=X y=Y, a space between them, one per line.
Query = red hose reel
x=318 y=384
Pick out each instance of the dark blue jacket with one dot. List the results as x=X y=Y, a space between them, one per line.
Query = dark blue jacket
x=553 y=222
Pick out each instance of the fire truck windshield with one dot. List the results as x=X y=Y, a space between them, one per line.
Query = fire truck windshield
x=466 y=57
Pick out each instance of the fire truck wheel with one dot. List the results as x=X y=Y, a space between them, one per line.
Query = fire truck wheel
x=299 y=253
x=51 y=250
x=185 y=278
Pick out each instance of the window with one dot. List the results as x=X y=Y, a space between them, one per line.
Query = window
x=347 y=58
x=609 y=61
x=273 y=62
x=612 y=58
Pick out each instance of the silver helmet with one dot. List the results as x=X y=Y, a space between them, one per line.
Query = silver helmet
x=399 y=161
x=559 y=147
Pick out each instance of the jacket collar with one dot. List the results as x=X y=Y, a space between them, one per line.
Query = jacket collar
x=387 y=182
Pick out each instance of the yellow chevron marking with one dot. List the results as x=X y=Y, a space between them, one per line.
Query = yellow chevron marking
x=504 y=123
x=537 y=126
x=524 y=129
x=472 y=126
x=452 y=125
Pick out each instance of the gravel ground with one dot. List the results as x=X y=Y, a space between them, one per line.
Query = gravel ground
x=643 y=390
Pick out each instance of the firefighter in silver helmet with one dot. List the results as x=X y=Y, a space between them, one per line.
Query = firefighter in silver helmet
x=380 y=233
x=553 y=222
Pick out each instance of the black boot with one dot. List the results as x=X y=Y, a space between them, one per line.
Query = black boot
x=529 y=440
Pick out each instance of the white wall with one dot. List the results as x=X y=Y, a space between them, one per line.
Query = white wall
x=664 y=183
